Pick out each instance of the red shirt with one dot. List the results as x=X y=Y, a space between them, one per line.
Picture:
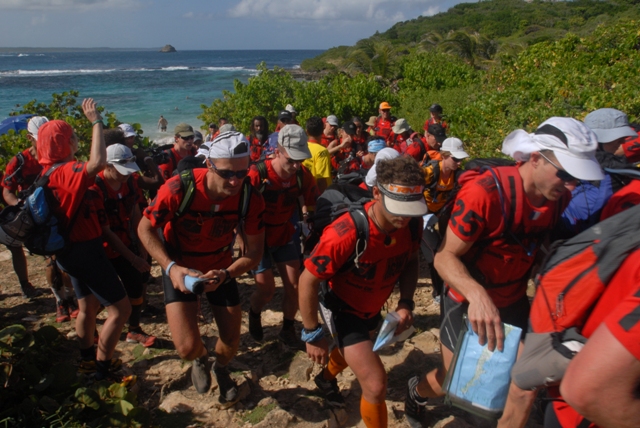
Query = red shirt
x=417 y=149
x=281 y=200
x=15 y=180
x=368 y=287
x=69 y=183
x=477 y=217
x=383 y=128
x=341 y=165
x=119 y=205
x=432 y=121
x=256 y=147
x=326 y=140
x=631 y=148
x=174 y=158
x=203 y=236
x=397 y=142
x=625 y=198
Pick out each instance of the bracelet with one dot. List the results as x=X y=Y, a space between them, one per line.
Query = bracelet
x=227 y=276
x=97 y=121
x=169 y=266
x=310 y=336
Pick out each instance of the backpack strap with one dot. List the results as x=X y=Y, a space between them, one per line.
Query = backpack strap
x=20 y=157
x=262 y=173
x=436 y=173
x=188 y=187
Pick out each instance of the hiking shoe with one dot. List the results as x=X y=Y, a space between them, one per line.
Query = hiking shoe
x=200 y=375
x=330 y=390
x=139 y=336
x=227 y=386
x=72 y=306
x=62 y=312
x=414 y=405
x=289 y=338
x=89 y=366
x=28 y=290
x=255 y=327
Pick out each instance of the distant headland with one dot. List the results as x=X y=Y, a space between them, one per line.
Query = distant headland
x=168 y=49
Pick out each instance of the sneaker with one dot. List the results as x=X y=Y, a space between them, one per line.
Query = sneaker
x=73 y=308
x=62 y=312
x=200 y=375
x=89 y=366
x=227 y=386
x=289 y=338
x=414 y=405
x=139 y=336
x=28 y=290
x=255 y=327
x=330 y=390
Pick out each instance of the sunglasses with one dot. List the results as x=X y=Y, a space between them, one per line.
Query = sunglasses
x=292 y=161
x=560 y=173
x=228 y=174
x=456 y=159
x=191 y=137
x=124 y=161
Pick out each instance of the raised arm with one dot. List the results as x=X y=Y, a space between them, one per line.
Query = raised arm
x=98 y=154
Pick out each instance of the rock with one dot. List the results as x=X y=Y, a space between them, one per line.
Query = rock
x=338 y=418
x=300 y=368
x=277 y=418
x=175 y=403
x=167 y=49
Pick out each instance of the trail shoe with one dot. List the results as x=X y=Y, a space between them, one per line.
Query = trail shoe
x=227 y=386
x=89 y=366
x=139 y=336
x=28 y=290
x=62 y=312
x=414 y=405
x=330 y=391
x=289 y=338
x=255 y=327
x=72 y=306
x=200 y=375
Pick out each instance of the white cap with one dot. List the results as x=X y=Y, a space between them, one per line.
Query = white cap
x=294 y=140
x=332 y=120
x=227 y=127
x=402 y=200
x=34 y=124
x=455 y=147
x=229 y=145
x=122 y=159
x=128 y=130
x=290 y=109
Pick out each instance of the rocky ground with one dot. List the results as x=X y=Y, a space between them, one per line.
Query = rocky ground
x=276 y=384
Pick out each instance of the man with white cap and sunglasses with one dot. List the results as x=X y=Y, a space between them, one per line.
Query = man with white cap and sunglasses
x=485 y=265
x=199 y=243
x=358 y=293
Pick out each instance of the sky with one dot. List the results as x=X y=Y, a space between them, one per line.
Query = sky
x=203 y=24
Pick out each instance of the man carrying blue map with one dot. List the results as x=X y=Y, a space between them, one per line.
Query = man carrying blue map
x=499 y=219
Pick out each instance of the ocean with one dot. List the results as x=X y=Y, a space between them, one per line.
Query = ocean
x=138 y=86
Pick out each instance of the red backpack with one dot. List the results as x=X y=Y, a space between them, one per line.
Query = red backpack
x=577 y=271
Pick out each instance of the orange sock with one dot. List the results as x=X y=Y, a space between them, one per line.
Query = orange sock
x=335 y=366
x=373 y=415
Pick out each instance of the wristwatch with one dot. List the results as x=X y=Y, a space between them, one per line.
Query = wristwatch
x=408 y=302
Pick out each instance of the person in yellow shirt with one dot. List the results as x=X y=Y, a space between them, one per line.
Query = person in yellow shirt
x=320 y=162
x=440 y=175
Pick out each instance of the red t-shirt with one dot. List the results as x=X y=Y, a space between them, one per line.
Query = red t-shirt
x=118 y=206
x=341 y=165
x=22 y=179
x=383 y=128
x=494 y=258
x=417 y=149
x=368 y=287
x=174 y=158
x=69 y=184
x=326 y=140
x=281 y=200
x=432 y=121
x=397 y=142
x=631 y=148
x=256 y=147
x=207 y=229
x=625 y=198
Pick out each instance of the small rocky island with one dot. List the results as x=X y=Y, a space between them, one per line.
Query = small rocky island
x=168 y=48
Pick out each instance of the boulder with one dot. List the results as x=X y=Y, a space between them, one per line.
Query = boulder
x=300 y=368
x=167 y=49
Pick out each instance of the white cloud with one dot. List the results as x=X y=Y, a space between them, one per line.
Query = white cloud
x=66 y=4
x=341 y=10
x=431 y=11
x=191 y=15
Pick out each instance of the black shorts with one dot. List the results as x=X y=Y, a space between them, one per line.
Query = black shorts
x=225 y=295
x=352 y=329
x=91 y=272
x=130 y=277
x=516 y=314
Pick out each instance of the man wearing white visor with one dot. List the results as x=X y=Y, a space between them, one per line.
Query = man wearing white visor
x=199 y=240
x=500 y=218
x=355 y=294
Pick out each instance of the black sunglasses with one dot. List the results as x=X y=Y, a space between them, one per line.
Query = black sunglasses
x=191 y=137
x=456 y=159
x=292 y=161
x=228 y=174
x=560 y=173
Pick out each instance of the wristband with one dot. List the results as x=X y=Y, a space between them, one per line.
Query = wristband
x=227 y=276
x=169 y=266
x=310 y=336
x=408 y=302
x=97 y=121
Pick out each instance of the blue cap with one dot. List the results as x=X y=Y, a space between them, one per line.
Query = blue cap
x=374 y=146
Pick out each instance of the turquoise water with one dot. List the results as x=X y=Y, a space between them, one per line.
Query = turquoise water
x=138 y=86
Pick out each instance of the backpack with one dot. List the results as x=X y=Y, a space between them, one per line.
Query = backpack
x=576 y=272
x=112 y=206
x=33 y=223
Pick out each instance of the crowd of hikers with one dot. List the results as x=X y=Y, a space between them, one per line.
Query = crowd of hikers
x=344 y=212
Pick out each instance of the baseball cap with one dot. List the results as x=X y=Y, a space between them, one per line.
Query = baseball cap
x=183 y=130
x=229 y=145
x=385 y=106
x=372 y=121
x=127 y=130
x=227 y=127
x=294 y=140
x=285 y=115
x=609 y=124
x=435 y=108
x=400 y=126
x=437 y=131
x=403 y=200
x=197 y=135
x=122 y=159
x=290 y=109
x=349 y=127
x=455 y=147
x=333 y=120
x=375 y=145
x=34 y=124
